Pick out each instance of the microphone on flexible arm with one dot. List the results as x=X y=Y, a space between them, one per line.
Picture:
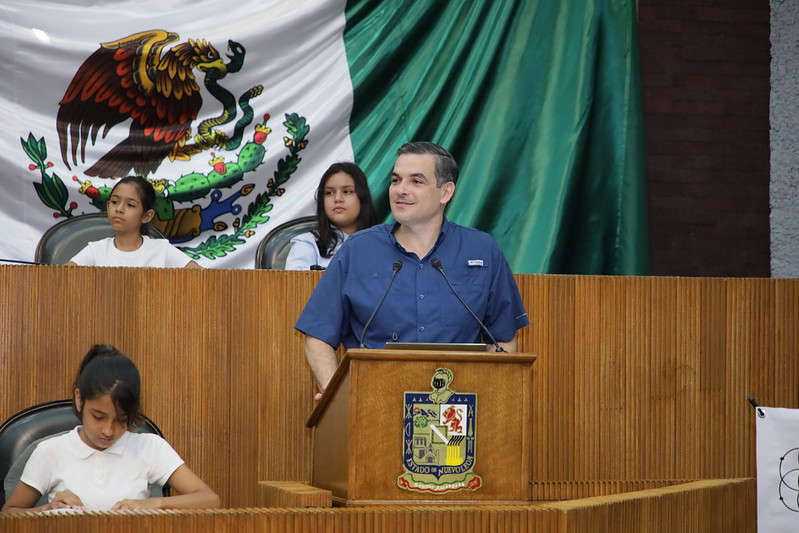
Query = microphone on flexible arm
x=436 y=262
x=396 y=268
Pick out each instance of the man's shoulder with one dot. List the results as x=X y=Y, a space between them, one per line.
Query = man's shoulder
x=472 y=235
x=369 y=235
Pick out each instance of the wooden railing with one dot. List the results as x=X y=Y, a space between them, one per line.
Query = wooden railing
x=638 y=379
x=713 y=505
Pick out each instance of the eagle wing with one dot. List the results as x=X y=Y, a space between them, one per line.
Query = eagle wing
x=122 y=80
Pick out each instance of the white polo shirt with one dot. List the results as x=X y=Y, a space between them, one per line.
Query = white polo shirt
x=152 y=253
x=101 y=478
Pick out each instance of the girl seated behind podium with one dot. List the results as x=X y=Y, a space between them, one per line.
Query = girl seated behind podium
x=130 y=208
x=101 y=465
x=343 y=206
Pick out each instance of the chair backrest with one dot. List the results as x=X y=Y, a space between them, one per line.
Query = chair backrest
x=23 y=430
x=274 y=248
x=61 y=242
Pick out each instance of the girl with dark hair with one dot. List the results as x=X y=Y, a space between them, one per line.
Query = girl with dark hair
x=343 y=206
x=131 y=206
x=100 y=465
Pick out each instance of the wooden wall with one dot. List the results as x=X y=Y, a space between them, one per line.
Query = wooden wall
x=638 y=378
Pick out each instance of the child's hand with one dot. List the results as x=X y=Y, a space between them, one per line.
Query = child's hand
x=127 y=505
x=65 y=499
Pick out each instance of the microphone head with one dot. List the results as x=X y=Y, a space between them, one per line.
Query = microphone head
x=397 y=265
x=436 y=262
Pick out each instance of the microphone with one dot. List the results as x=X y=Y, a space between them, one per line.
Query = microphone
x=396 y=268
x=437 y=265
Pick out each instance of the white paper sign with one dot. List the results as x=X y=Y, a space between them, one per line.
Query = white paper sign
x=777 y=470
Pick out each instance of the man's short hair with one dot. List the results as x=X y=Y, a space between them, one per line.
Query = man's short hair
x=446 y=166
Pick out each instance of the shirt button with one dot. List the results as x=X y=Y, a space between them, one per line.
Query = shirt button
x=421 y=296
x=421 y=328
x=421 y=265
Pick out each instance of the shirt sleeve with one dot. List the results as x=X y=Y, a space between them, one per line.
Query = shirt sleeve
x=303 y=253
x=175 y=258
x=38 y=471
x=324 y=316
x=85 y=257
x=162 y=458
x=505 y=311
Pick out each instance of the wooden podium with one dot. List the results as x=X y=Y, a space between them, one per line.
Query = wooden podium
x=364 y=427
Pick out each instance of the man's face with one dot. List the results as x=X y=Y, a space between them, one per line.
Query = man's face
x=414 y=197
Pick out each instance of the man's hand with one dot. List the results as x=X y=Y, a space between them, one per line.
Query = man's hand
x=508 y=346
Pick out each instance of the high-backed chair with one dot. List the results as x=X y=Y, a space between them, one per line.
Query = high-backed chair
x=274 y=248
x=61 y=242
x=22 y=432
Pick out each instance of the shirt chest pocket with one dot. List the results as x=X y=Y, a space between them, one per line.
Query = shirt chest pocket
x=473 y=285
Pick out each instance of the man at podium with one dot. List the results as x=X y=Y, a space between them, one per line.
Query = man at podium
x=421 y=279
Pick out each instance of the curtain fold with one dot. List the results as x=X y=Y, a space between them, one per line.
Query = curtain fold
x=540 y=103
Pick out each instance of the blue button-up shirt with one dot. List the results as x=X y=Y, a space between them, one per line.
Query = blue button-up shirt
x=420 y=306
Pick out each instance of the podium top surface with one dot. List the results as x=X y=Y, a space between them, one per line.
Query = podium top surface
x=444 y=357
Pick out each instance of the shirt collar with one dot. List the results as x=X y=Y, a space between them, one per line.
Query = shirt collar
x=445 y=227
x=85 y=451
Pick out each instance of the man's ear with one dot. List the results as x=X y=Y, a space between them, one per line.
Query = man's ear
x=447 y=191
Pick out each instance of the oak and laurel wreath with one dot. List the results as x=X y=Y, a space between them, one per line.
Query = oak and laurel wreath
x=54 y=194
x=219 y=246
x=51 y=191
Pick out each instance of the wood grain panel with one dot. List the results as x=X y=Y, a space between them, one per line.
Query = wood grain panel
x=715 y=505
x=638 y=378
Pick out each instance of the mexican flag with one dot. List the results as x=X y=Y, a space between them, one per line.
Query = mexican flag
x=539 y=101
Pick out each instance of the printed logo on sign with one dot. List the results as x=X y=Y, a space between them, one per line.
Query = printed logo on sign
x=439 y=438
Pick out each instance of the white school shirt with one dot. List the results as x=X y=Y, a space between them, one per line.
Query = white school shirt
x=152 y=253
x=101 y=478
x=304 y=252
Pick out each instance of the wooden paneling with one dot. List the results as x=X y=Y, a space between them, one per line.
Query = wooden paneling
x=372 y=384
x=638 y=378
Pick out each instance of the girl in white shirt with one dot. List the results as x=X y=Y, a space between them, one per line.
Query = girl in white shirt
x=100 y=465
x=343 y=206
x=130 y=208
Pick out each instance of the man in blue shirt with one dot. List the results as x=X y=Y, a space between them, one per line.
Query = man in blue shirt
x=420 y=306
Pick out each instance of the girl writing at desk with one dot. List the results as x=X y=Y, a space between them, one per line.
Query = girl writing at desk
x=101 y=465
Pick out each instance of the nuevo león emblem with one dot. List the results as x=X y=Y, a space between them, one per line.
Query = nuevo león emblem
x=439 y=438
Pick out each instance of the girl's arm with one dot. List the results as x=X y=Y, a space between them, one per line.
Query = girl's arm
x=25 y=497
x=194 y=494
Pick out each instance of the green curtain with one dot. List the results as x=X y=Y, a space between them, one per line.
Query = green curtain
x=540 y=103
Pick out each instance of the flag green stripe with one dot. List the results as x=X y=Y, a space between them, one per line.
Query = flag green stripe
x=539 y=101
